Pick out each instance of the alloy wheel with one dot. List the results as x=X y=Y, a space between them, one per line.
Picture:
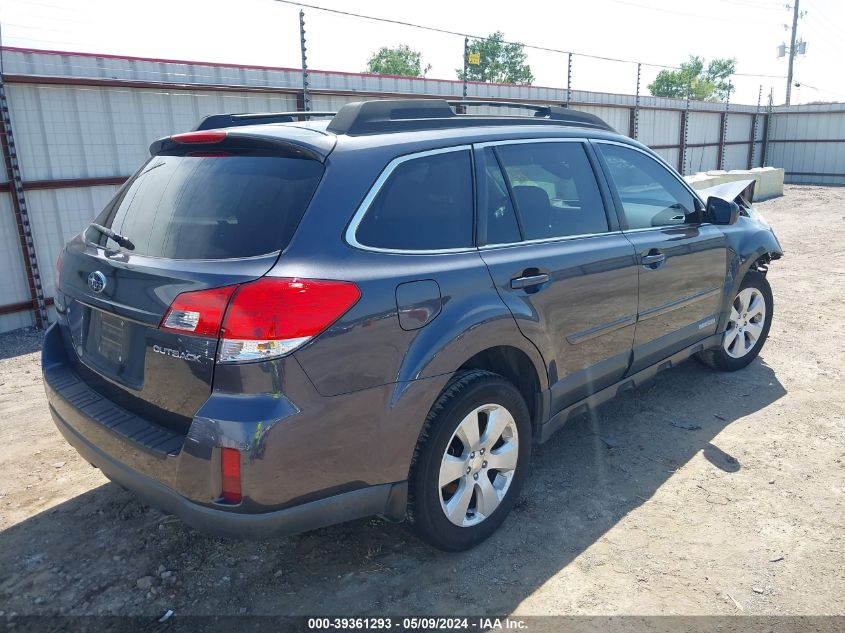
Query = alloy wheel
x=748 y=316
x=478 y=465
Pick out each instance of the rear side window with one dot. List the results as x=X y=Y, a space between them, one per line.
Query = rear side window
x=212 y=207
x=554 y=189
x=495 y=206
x=425 y=204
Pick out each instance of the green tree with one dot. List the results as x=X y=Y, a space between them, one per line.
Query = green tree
x=398 y=60
x=500 y=62
x=695 y=80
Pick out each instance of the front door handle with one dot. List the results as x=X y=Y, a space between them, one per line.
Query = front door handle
x=653 y=259
x=529 y=280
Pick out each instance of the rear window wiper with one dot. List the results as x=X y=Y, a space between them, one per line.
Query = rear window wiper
x=121 y=240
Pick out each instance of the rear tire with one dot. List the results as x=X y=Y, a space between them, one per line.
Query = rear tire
x=470 y=461
x=751 y=317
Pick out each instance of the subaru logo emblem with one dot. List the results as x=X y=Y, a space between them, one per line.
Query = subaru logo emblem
x=97 y=281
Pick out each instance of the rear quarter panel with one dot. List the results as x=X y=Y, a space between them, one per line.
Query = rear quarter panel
x=398 y=372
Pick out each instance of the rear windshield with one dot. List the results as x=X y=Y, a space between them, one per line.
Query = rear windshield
x=211 y=207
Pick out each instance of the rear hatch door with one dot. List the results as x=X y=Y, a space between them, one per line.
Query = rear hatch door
x=193 y=221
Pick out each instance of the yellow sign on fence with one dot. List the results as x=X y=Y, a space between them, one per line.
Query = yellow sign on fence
x=474 y=58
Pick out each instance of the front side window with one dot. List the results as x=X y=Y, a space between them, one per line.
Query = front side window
x=554 y=189
x=651 y=195
x=425 y=204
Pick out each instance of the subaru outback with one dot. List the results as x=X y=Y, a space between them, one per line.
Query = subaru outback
x=285 y=321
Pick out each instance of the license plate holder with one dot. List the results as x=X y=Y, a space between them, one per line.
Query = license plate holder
x=107 y=338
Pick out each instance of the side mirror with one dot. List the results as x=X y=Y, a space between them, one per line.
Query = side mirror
x=720 y=211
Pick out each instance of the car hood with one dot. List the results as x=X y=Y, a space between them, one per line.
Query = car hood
x=739 y=191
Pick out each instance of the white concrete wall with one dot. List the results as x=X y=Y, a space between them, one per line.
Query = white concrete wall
x=769 y=180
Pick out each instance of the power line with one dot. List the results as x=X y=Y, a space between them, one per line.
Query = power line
x=661 y=10
x=479 y=37
x=823 y=30
x=765 y=6
x=801 y=84
x=826 y=41
x=825 y=17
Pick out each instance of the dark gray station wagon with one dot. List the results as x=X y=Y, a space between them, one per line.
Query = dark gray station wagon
x=280 y=322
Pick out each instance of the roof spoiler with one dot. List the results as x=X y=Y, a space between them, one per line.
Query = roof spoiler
x=219 y=142
x=216 y=121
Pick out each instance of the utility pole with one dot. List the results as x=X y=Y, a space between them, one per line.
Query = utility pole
x=796 y=46
x=792 y=51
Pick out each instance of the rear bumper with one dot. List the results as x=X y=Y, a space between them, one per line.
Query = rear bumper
x=180 y=473
x=356 y=504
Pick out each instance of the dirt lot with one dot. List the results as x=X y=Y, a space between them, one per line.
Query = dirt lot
x=745 y=514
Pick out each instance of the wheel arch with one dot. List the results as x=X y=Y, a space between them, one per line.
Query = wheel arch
x=514 y=362
x=748 y=251
x=514 y=365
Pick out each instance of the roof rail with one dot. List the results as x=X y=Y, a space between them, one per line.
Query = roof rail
x=401 y=115
x=215 y=121
x=560 y=114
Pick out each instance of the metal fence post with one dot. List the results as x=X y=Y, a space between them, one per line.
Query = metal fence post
x=568 y=79
x=723 y=136
x=755 y=121
x=684 y=135
x=466 y=64
x=637 y=103
x=306 y=94
x=30 y=259
x=767 y=127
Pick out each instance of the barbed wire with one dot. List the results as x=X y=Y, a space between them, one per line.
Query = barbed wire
x=535 y=47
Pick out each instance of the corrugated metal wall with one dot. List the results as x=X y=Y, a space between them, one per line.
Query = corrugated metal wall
x=809 y=141
x=82 y=123
x=85 y=132
x=13 y=285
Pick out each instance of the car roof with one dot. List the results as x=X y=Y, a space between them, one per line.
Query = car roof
x=401 y=126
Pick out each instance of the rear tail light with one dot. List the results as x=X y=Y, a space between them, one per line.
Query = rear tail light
x=230 y=471
x=266 y=318
x=199 y=312
x=199 y=138
x=272 y=317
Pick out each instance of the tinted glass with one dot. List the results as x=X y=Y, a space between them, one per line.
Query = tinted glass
x=554 y=188
x=495 y=203
x=425 y=204
x=651 y=195
x=185 y=207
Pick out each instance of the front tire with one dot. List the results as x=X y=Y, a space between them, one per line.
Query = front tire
x=470 y=462
x=748 y=325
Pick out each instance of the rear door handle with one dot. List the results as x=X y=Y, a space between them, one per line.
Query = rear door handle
x=529 y=280
x=653 y=260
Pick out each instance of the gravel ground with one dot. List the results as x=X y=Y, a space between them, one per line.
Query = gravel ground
x=742 y=512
